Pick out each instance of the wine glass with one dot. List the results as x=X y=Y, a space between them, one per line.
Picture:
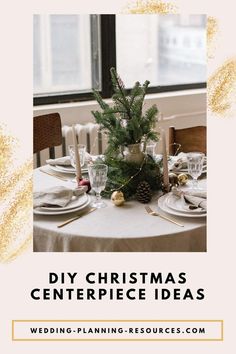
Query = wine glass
x=98 y=178
x=150 y=149
x=81 y=150
x=195 y=162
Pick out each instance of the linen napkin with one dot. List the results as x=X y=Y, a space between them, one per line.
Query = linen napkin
x=62 y=161
x=56 y=196
x=195 y=199
x=179 y=162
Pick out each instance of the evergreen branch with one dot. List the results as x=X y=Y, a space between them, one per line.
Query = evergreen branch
x=144 y=91
x=151 y=114
x=123 y=122
x=135 y=92
x=99 y=99
x=120 y=107
x=121 y=91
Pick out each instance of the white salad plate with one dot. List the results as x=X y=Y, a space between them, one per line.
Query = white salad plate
x=74 y=203
x=185 y=170
x=76 y=206
x=162 y=203
x=178 y=204
x=66 y=169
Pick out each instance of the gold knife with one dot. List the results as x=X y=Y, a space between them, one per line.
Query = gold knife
x=76 y=217
x=53 y=175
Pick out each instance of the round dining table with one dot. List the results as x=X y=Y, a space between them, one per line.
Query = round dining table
x=127 y=228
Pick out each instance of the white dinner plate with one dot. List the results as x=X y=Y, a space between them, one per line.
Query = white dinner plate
x=62 y=169
x=41 y=211
x=65 y=169
x=185 y=170
x=178 y=204
x=74 y=203
x=163 y=206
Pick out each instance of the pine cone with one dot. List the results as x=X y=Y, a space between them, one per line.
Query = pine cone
x=143 y=192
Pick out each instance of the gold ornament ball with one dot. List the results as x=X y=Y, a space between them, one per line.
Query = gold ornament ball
x=183 y=179
x=117 y=198
x=173 y=179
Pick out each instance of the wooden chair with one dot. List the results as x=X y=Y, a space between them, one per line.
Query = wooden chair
x=189 y=139
x=47 y=134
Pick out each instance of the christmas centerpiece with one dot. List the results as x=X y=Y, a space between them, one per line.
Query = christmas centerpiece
x=128 y=130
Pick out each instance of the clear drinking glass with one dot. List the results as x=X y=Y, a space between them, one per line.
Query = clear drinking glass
x=81 y=150
x=98 y=178
x=195 y=162
x=150 y=149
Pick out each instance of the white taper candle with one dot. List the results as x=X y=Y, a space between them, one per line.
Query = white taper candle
x=77 y=157
x=165 y=162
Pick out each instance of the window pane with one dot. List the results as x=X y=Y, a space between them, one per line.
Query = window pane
x=164 y=49
x=62 y=54
x=37 y=57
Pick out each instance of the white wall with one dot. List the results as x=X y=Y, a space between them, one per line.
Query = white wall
x=169 y=104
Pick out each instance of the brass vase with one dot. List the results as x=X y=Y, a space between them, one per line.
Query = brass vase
x=134 y=154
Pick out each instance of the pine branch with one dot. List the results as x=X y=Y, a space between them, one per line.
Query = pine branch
x=135 y=92
x=144 y=91
x=116 y=84
x=123 y=122
x=99 y=99
x=151 y=114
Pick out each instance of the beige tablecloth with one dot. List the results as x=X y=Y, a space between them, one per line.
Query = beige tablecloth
x=115 y=229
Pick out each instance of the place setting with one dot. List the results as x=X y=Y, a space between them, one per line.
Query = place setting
x=184 y=203
x=60 y=200
x=179 y=163
x=66 y=164
x=186 y=197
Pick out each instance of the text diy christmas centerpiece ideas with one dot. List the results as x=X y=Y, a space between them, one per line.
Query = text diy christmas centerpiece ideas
x=132 y=172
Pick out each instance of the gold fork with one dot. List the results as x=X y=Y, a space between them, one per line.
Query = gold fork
x=153 y=213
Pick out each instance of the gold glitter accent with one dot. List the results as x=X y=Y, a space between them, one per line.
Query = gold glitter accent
x=9 y=180
x=23 y=248
x=212 y=30
x=151 y=7
x=15 y=201
x=222 y=88
x=7 y=144
x=15 y=221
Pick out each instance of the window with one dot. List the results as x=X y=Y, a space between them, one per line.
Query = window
x=65 y=57
x=73 y=53
x=166 y=50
